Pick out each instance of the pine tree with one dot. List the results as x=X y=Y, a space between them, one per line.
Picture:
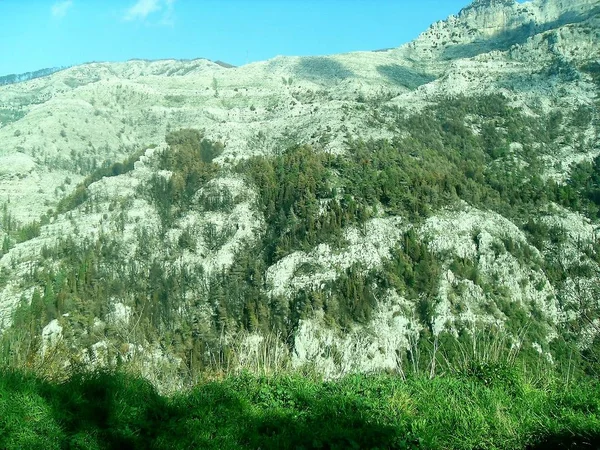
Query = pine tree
x=49 y=302
x=37 y=311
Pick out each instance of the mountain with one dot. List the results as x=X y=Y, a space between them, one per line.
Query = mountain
x=19 y=78
x=489 y=25
x=343 y=213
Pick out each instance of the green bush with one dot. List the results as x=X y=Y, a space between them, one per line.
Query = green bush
x=28 y=232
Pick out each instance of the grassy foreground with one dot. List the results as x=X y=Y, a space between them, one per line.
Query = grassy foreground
x=115 y=410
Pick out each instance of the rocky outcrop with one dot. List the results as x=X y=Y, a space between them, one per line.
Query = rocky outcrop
x=488 y=25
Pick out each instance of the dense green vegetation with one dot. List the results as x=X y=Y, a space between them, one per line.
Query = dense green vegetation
x=190 y=159
x=583 y=190
x=593 y=69
x=310 y=197
x=292 y=187
x=15 y=232
x=435 y=161
x=103 y=411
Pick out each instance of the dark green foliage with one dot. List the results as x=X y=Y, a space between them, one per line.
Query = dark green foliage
x=76 y=198
x=82 y=279
x=216 y=199
x=583 y=190
x=441 y=161
x=28 y=232
x=189 y=158
x=215 y=238
x=18 y=78
x=175 y=99
x=302 y=209
x=113 y=170
x=357 y=299
x=413 y=271
x=562 y=68
x=189 y=147
x=162 y=192
x=239 y=299
x=349 y=299
x=590 y=358
x=492 y=373
x=11 y=115
x=582 y=116
x=15 y=231
x=292 y=188
x=186 y=240
x=593 y=69
x=8 y=222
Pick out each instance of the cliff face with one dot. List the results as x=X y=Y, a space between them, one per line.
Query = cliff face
x=488 y=25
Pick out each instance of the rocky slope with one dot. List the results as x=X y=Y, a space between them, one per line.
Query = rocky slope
x=496 y=25
x=491 y=266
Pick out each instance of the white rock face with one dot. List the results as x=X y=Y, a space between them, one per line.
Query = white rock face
x=121 y=314
x=368 y=247
x=482 y=237
x=491 y=24
x=379 y=346
x=51 y=335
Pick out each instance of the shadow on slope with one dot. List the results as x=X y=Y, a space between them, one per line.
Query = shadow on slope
x=322 y=69
x=567 y=441
x=105 y=411
x=505 y=40
x=404 y=76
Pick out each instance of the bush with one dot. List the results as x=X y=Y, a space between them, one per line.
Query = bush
x=28 y=232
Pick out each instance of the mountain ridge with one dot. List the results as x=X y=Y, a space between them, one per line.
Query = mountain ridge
x=485 y=26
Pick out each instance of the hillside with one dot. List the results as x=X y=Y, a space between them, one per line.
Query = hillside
x=347 y=213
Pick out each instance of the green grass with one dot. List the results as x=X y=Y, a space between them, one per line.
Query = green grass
x=114 y=410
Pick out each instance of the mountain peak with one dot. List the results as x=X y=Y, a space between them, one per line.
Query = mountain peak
x=487 y=25
x=491 y=3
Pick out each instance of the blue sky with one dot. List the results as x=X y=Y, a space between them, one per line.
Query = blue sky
x=36 y=34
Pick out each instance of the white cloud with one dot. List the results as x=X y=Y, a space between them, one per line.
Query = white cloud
x=142 y=9
x=60 y=8
x=168 y=17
